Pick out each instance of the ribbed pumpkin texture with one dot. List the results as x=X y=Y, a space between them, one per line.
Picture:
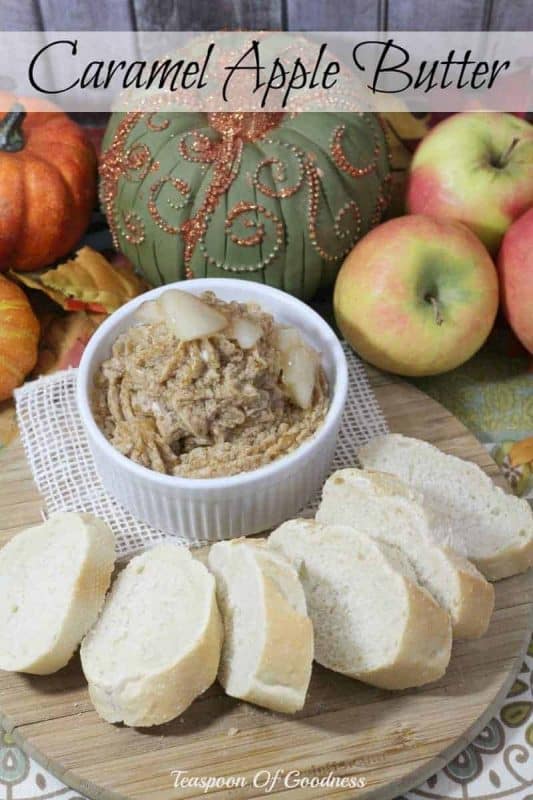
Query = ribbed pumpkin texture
x=47 y=185
x=271 y=197
x=19 y=336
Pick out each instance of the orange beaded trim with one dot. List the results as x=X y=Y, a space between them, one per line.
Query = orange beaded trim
x=223 y=154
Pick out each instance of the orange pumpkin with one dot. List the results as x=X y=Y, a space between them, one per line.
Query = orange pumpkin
x=47 y=185
x=19 y=336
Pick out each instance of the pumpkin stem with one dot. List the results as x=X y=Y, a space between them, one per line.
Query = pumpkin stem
x=11 y=138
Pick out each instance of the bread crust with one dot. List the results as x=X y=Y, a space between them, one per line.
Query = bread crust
x=283 y=668
x=423 y=651
x=87 y=596
x=476 y=599
x=159 y=697
x=155 y=696
x=471 y=596
x=504 y=562
x=425 y=648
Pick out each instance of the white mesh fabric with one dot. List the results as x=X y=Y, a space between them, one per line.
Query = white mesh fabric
x=63 y=469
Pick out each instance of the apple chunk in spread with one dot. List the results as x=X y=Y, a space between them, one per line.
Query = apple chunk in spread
x=203 y=388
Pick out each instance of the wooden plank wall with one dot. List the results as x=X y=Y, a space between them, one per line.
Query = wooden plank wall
x=266 y=14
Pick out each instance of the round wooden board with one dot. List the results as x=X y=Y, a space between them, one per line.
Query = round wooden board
x=393 y=740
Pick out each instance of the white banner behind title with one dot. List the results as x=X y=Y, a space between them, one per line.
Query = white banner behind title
x=254 y=71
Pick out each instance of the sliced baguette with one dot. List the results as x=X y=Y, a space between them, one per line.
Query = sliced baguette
x=383 y=507
x=467 y=511
x=53 y=581
x=371 y=619
x=156 y=645
x=268 y=638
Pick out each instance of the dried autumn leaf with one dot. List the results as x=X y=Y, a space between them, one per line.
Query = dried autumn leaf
x=32 y=280
x=89 y=278
x=87 y=282
x=521 y=452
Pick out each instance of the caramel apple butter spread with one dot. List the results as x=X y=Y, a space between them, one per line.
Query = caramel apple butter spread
x=203 y=388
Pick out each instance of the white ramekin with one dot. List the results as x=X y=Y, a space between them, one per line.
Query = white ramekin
x=219 y=508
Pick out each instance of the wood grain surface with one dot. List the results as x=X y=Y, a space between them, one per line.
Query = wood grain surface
x=355 y=15
x=393 y=740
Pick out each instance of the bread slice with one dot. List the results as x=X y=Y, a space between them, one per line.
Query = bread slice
x=268 y=638
x=371 y=619
x=53 y=581
x=156 y=645
x=467 y=511
x=383 y=506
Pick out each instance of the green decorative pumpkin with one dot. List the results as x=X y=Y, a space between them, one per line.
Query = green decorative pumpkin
x=271 y=197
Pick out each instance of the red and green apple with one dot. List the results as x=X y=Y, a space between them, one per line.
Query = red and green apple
x=417 y=295
x=515 y=266
x=476 y=168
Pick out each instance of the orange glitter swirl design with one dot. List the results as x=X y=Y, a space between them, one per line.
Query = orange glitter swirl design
x=248 y=126
x=254 y=239
x=180 y=186
x=225 y=158
x=114 y=164
x=340 y=159
x=313 y=182
x=137 y=162
x=279 y=175
x=132 y=229
x=223 y=153
x=200 y=150
x=156 y=126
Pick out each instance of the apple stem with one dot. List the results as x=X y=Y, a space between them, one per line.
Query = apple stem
x=436 y=308
x=504 y=158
